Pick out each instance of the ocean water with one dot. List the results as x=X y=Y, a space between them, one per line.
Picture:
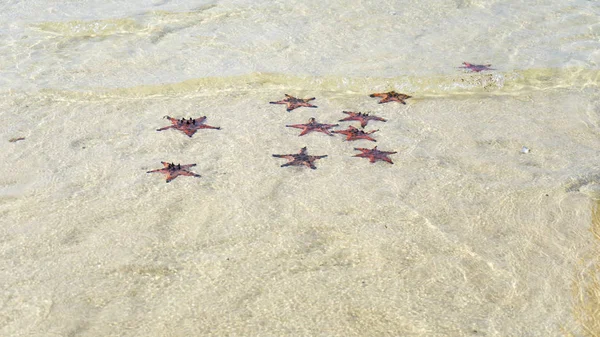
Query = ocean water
x=464 y=235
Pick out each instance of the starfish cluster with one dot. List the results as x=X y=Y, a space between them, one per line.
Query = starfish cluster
x=191 y=125
x=352 y=133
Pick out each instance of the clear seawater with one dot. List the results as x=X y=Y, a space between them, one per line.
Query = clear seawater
x=463 y=235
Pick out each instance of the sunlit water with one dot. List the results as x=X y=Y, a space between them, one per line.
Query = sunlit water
x=463 y=236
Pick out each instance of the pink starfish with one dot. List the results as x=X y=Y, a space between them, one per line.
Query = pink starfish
x=353 y=133
x=293 y=102
x=391 y=96
x=361 y=117
x=188 y=126
x=299 y=159
x=312 y=125
x=477 y=67
x=173 y=171
x=374 y=154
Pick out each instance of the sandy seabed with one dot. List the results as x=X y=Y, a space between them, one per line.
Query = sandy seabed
x=463 y=235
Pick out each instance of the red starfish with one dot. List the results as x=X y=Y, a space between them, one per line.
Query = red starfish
x=353 y=133
x=293 y=102
x=312 y=125
x=173 y=171
x=188 y=126
x=363 y=118
x=374 y=154
x=391 y=96
x=299 y=159
x=476 y=67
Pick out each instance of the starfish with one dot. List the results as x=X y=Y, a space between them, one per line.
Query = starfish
x=353 y=133
x=299 y=159
x=312 y=125
x=363 y=118
x=476 y=67
x=374 y=154
x=173 y=171
x=188 y=126
x=293 y=102
x=391 y=96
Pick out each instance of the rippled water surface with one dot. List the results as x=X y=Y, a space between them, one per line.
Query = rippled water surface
x=463 y=235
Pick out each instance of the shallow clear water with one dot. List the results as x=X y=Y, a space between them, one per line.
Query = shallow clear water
x=463 y=235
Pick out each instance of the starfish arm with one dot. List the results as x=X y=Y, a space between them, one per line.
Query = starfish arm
x=165 y=128
x=286 y=156
x=189 y=132
x=318 y=157
x=378 y=94
x=363 y=136
x=310 y=164
x=305 y=131
x=173 y=120
x=297 y=126
x=204 y=126
x=313 y=98
x=278 y=102
x=287 y=164
x=200 y=120
x=387 y=160
x=153 y=171
x=171 y=176
x=188 y=173
x=185 y=167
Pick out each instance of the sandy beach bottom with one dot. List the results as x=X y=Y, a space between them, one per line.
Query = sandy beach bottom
x=463 y=235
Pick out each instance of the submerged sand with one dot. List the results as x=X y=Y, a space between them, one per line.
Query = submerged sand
x=463 y=235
